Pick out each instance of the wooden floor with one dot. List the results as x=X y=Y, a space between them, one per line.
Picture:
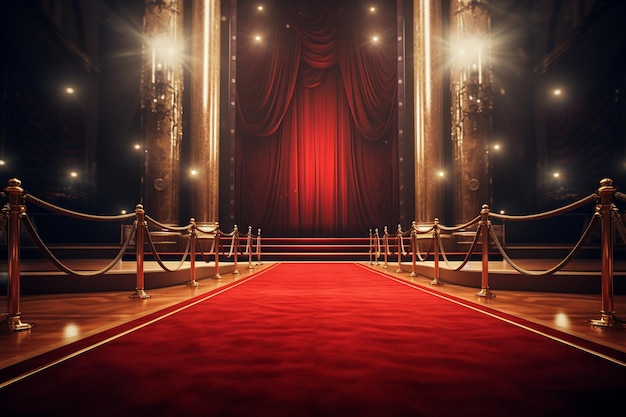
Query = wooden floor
x=60 y=319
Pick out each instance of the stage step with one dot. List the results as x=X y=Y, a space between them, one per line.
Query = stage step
x=315 y=249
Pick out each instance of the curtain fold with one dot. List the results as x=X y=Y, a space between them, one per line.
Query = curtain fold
x=316 y=129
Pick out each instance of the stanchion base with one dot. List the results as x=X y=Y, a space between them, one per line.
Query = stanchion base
x=398 y=270
x=217 y=276
x=609 y=320
x=236 y=272
x=139 y=294
x=194 y=284
x=436 y=281
x=485 y=293
x=14 y=324
x=412 y=274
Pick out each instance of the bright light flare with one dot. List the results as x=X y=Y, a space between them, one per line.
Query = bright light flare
x=71 y=330
x=471 y=48
x=165 y=46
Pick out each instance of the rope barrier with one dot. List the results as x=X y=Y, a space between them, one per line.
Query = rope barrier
x=619 y=225
x=559 y=266
x=551 y=213
x=14 y=213
x=468 y=255
x=606 y=213
x=43 y=204
x=56 y=262
x=168 y=227
x=158 y=259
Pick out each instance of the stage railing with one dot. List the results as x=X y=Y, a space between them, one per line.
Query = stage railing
x=14 y=214
x=605 y=214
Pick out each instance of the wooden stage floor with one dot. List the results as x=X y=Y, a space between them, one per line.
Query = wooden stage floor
x=63 y=318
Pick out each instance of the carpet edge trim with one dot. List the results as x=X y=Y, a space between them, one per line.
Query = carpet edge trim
x=160 y=317
x=468 y=305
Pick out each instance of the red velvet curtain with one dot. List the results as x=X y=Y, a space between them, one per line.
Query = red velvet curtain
x=316 y=129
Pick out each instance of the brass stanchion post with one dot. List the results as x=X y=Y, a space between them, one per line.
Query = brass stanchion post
x=140 y=226
x=249 y=247
x=371 y=248
x=386 y=247
x=376 y=247
x=413 y=251
x=484 y=229
x=192 y=259
x=258 y=248
x=400 y=244
x=235 y=248
x=604 y=209
x=217 y=255
x=436 y=280
x=15 y=211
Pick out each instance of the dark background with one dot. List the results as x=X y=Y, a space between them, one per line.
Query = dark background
x=96 y=46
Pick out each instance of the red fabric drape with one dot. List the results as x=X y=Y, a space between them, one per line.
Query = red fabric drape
x=316 y=142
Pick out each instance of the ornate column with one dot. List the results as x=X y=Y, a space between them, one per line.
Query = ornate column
x=205 y=111
x=427 y=41
x=161 y=90
x=470 y=83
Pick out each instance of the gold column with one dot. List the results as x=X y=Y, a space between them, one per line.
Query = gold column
x=470 y=83
x=162 y=89
x=427 y=36
x=205 y=111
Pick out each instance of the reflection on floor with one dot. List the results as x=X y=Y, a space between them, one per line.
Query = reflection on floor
x=64 y=318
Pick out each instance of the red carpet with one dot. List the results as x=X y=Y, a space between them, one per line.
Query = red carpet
x=323 y=340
